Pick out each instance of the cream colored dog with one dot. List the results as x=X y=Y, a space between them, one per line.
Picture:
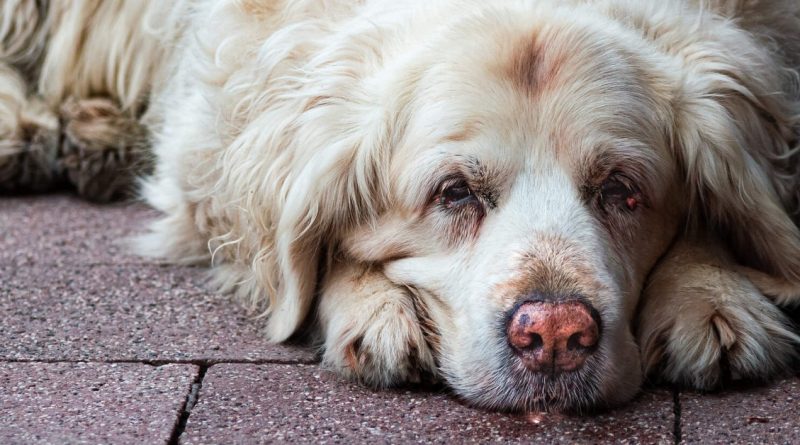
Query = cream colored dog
x=537 y=201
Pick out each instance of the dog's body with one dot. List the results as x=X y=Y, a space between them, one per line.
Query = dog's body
x=417 y=181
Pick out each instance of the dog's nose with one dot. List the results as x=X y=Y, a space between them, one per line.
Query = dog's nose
x=554 y=336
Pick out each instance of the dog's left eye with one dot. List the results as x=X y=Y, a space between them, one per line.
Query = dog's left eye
x=456 y=194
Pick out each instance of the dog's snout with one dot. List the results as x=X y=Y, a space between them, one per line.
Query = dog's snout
x=553 y=336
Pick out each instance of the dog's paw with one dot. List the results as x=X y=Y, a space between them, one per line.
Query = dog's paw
x=372 y=333
x=103 y=150
x=702 y=324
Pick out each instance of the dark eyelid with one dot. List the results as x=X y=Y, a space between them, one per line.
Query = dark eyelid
x=441 y=184
x=620 y=176
x=452 y=181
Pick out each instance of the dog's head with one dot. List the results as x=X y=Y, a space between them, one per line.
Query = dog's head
x=522 y=170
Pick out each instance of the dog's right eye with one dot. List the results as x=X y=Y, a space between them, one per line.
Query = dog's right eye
x=618 y=192
x=456 y=194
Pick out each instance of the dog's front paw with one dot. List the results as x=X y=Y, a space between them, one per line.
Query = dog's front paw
x=701 y=324
x=372 y=333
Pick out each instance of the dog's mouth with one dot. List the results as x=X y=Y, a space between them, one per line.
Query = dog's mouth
x=551 y=357
x=508 y=384
x=513 y=387
x=567 y=392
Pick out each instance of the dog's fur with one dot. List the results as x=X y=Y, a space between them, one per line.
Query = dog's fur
x=610 y=149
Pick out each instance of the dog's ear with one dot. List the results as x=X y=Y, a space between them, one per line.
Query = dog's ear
x=735 y=136
x=331 y=188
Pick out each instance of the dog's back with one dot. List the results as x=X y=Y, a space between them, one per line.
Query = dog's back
x=83 y=70
x=87 y=69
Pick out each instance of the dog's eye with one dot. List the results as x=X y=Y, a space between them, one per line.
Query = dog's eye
x=618 y=191
x=455 y=194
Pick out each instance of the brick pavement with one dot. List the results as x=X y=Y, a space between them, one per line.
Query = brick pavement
x=99 y=346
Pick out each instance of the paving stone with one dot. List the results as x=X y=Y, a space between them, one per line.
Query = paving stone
x=126 y=312
x=768 y=414
x=65 y=230
x=70 y=403
x=301 y=403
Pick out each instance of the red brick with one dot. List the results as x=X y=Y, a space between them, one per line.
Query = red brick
x=301 y=403
x=91 y=402
x=763 y=414
x=127 y=312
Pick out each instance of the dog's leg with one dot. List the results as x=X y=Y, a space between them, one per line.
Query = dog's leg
x=371 y=328
x=29 y=136
x=781 y=291
x=702 y=320
x=104 y=149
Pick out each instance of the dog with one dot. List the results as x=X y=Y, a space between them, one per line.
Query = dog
x=539 y=202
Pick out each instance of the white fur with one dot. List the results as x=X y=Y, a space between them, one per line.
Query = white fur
x=299 y=146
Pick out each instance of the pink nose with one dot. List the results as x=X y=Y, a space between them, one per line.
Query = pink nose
x=553 y=337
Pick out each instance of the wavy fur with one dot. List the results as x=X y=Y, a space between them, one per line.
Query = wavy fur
x=295 y=139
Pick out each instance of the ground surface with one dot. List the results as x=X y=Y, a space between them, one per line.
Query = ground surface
x=98 y=346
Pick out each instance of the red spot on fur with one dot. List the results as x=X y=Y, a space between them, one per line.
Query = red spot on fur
x=632 y=202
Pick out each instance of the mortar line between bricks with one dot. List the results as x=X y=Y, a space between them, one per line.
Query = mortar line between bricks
x=188 y=405
x=197 y=362
x=101 y=264
x=676 y=411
